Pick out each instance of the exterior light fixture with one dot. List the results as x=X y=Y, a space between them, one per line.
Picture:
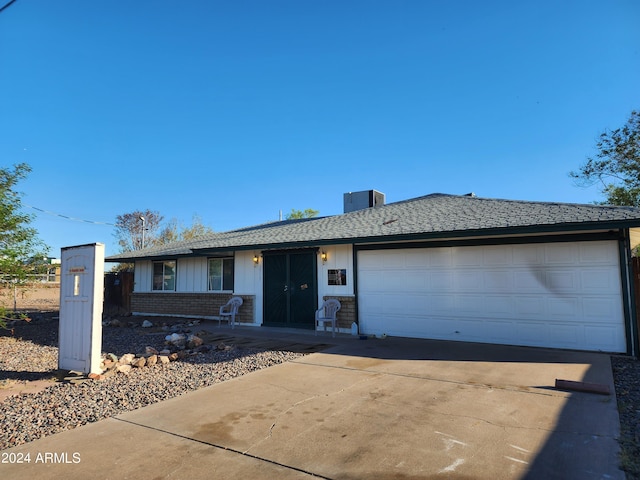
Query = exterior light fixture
x=256 y=259
x=323 y=257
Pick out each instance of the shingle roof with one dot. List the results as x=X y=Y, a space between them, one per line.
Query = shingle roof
x=434 y=216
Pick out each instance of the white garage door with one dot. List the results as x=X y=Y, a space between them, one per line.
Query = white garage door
x=561 y=295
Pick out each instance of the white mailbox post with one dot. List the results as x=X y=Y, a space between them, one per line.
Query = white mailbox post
x=81 y=295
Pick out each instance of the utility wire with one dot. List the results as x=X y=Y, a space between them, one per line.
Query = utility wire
x=69 y=218
x=6 y=5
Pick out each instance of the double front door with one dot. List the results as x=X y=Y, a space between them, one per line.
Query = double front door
x=290 y=288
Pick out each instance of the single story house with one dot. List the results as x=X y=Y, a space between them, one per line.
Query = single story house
x=450 y=267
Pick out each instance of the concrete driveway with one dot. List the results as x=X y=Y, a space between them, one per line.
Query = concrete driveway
x=362 y=409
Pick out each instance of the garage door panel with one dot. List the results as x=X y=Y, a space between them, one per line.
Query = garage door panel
x=371 y=282
x=562 y=280
x=601 y=309
x=441 y=281
x=604 y=337
x=599 y=280
x=591 y=253
x=441 y=304
x=527 y=255
x=468 y=281
x=531 y=281
x=568 y=336
x=495 y=256
x=560 y=254
x=441 y=257
x=497 y=280
x=417 y=258
x=499 y=306
x=529 y=306
x=539 y=294
x=468 y=305
x=501 y=332
x=466 y=257
x=564 y=307
x=531 y=333
x=416 y=281
x=395 y=278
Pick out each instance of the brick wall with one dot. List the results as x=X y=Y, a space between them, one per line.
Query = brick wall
x=190 y=304
x=347 y=313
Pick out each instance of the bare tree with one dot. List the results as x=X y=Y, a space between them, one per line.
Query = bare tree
x=138 y=229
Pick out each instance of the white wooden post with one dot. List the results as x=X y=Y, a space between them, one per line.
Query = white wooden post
x=81 y=296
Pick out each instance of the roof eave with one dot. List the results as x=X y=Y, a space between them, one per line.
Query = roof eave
x=426 y=236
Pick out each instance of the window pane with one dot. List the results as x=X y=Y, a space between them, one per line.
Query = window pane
x=158 y=282
x=227 y=272
x=169 y=275
x=215 y=274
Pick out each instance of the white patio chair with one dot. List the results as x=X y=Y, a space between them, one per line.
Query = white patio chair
x=229 y=310
x=327 y=313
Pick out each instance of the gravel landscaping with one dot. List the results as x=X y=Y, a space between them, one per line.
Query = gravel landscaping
x=31 y=354
x=626 y=375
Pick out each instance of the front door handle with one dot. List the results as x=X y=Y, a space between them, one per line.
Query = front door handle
x=286 y=288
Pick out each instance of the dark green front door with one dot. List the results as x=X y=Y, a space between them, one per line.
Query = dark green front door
x=290 y=289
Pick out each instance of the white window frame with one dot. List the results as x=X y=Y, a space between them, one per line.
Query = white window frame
x=165 y=276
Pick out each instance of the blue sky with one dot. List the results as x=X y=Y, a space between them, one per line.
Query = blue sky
x=236 y=110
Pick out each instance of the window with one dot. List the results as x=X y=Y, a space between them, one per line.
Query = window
x=164 y=275
x=338 y=277
x=221 y=274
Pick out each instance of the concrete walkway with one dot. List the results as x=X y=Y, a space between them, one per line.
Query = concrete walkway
x=359 y=409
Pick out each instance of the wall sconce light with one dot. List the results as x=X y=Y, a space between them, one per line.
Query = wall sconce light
x=256 y=260
x=323 y=257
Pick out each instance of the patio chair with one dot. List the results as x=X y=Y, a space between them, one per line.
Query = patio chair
x=327 y=314
x=229 y=310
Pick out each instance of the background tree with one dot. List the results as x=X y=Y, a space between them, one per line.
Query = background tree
x=616 y=166
x=296 y=214
x=129 y=229
x=174 y=231
x=21 y=251
x=129 y=232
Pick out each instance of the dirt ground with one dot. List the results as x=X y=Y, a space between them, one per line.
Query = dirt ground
x=31 y=297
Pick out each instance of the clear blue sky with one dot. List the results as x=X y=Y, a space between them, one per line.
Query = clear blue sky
x=236 y=110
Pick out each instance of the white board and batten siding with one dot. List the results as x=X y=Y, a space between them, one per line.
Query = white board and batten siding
x=558 y=295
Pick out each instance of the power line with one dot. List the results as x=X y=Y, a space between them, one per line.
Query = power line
x=67 y=217
x=7 y=5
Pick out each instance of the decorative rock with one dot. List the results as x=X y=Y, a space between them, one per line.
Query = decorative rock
x=152 y=360
x=139 y=362
x=124 y=368
x=107 y=365
x=194 y=341
x=147 y=324
x=151 y=351
x=112 y=357
x=173 y=357
x=96 y=376
x=164 y=352
x=176 y=339
x=163 y=359
x=126 y=359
